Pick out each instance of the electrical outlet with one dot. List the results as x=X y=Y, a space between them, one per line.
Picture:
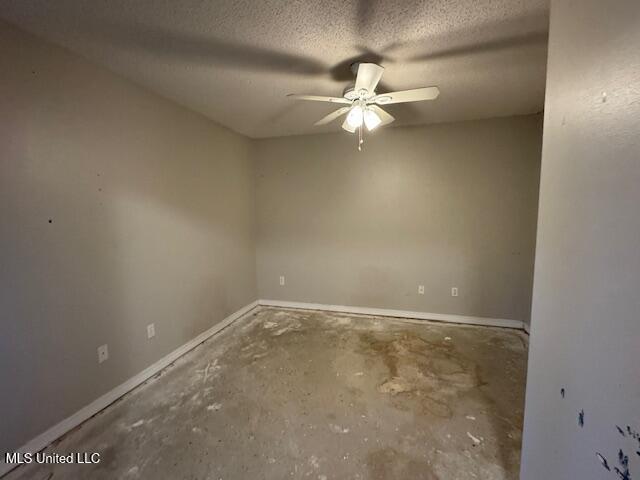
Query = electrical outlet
x=151 y=330
x=281 y=280
x=454 y=291
x=103 y=353
x=421 y=289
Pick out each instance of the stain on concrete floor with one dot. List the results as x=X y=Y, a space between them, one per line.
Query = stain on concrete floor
x=317 y=395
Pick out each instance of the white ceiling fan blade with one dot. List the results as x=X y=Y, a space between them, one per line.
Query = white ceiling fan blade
x=384 y=116
x=415 y=95
x=318 y=98
x=332 y=116
x=348 y=127
x=368 y=76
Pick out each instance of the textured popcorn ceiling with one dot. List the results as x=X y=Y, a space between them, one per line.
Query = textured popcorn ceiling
x=235 y=60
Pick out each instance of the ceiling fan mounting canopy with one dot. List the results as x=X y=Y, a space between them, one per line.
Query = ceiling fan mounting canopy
x=363 y=102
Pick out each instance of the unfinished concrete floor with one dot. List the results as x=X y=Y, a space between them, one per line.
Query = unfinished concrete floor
x=317 y=395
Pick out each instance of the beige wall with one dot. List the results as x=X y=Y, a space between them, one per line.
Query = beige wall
x=439 y=206
x=117 y=209
x=585 y=329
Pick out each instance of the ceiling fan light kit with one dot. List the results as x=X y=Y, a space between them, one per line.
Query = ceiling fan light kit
x=355 y=116
x=363 y=102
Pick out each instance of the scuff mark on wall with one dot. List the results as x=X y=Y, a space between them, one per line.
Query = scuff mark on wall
x=622 y=471
x=603 y=461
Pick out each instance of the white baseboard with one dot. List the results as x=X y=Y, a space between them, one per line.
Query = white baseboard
x=526 y=327
x=69 y=423
x=384 y=312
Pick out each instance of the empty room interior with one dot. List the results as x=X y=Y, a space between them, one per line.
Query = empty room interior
x=338 y=239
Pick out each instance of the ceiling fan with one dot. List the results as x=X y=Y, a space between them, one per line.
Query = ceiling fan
x=362 y=102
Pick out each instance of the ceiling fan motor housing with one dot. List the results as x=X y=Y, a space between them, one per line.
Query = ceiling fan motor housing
x=350 y=93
